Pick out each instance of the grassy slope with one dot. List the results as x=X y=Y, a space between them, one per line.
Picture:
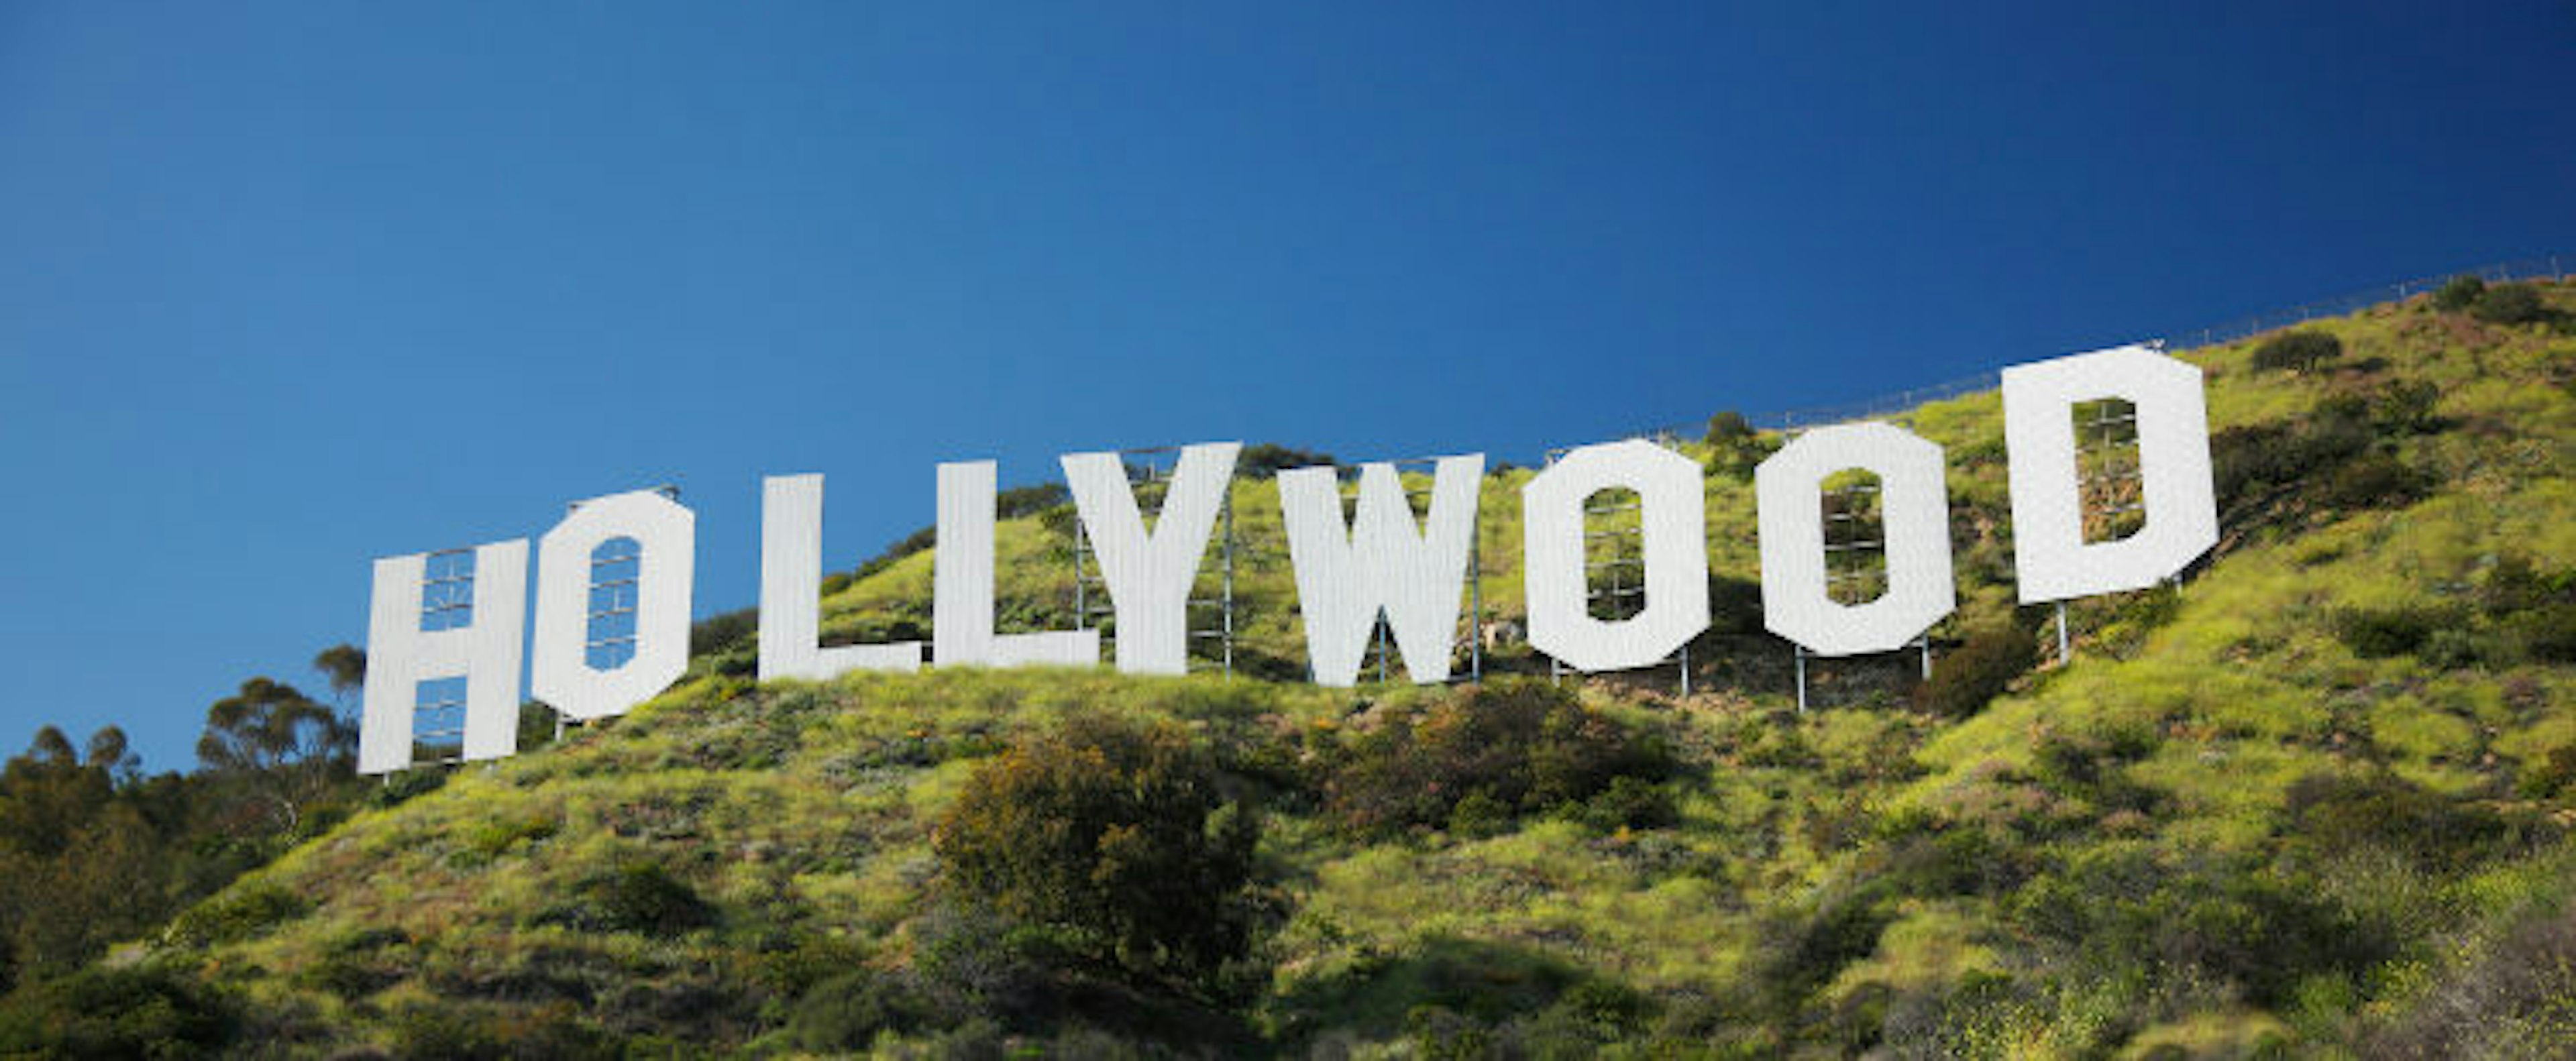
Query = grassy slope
x=801 y=811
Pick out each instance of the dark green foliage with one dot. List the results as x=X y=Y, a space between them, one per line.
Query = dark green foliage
x=281 y=749
x=427 y=1031
x=641 y=897
x=1582 y=1020
x=344 y=666
x=716 y=632
x=1966 y=678
x=2332 y=457
x=1734 y=605
x=2376 y=633
x=399 y=788
x=2459 y=293
x=142 y=1012
x=2249 y=461
x=536 y=726
x=2514 y=998
x=1631 y=802
x=1114 y=835
x=2197 y=920
x=2511 y=304
x=1514 y=746
x=2337 y=814
x=235 y=915
x=2406 y=408
x=1020 y=501
x=1734 y=447
x=2297 y=351
x=2550 y=775
x=358 y=964
x=2374 y=480
x=2534 y=614
x=1265 y=460
x=845 y=1012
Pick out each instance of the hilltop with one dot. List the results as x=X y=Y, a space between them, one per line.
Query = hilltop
x=2315 y=799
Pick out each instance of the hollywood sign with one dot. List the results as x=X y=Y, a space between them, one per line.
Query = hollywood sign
x=1382 y=562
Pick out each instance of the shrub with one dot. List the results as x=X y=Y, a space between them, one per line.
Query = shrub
x=1970 y=676
x=845 y=1012
x=2373 y=481
x=2378 y=633
x=1511 y=746
x=2129 y=911
x=2298 y=351
x=641 y=897
x=1264 y=460
x=108 y=1012
x=2338 y=813
x=2550 y=774
x=2460 y=293
x=2512 y=304
x=235 y=915
x=1113 y=834
x=430 y=1030
x=1630 y=802
x=2516 y=998
x=2406 y=408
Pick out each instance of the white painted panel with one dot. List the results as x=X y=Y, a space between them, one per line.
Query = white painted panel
x=791 y=571
x=559 y=670
x=1149 y=574
x=1673 y=519
x=961 y=612
x=1914 y=507
x=2049 y=551
x=400 y=655
x=1345 y=576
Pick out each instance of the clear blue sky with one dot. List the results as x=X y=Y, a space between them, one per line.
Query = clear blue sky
x=284 y=288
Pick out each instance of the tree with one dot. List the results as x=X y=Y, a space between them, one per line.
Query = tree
x=345 y=666
x=1112 y=835
x=285 y=748
x=2297 y=351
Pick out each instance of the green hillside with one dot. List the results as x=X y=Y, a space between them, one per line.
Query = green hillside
x=2315 y=801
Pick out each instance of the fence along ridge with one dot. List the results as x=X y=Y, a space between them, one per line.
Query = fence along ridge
x=2177 y=340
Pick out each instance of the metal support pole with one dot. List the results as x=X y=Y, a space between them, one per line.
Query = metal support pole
x=1926 y=642
x=1377 y=634
x=1801 y=650
x=1081 y=600
x=1685 y=670
x=2065 y=651
x=1476 y=597
x=1228 y=514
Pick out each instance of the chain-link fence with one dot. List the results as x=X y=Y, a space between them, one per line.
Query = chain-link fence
x=2192 y=338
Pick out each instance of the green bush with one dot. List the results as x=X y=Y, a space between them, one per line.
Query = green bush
x=1265 y=460
x=2378 y=633
x=2297 y=351
x=429 y=1030
x=2374 y=480
x=641 y=897
x=235 y=915
x=141 y=1012
x=2512 y=304
x=1113 y=834
x=2514 y=997
x=2336 y=814
x=2460 y=293
x=2126 y=911
x=1968 y=677
x=846 y=1012
x=1512 y=746
x=1631 y=802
